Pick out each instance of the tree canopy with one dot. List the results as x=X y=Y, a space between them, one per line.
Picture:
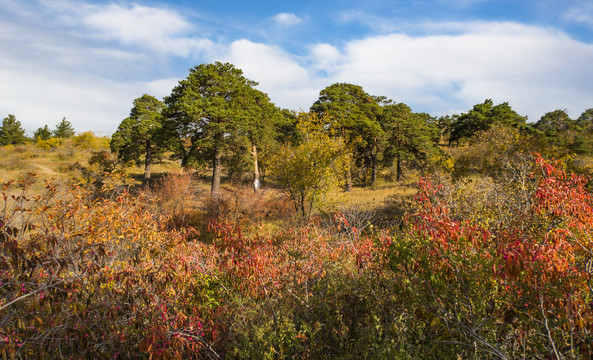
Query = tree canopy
x=482 y=117
x=352 y=115
x=208 y=110
x=141 y=134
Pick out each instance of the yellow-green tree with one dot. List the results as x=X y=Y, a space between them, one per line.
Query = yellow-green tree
x=309 y=169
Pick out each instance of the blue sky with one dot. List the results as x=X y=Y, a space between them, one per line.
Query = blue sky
x=87 y=60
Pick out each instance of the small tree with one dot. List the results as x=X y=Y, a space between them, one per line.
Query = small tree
x=11 y=132
x=64 y=129
x=43 y=133
x=309 y=170
x=140 y=134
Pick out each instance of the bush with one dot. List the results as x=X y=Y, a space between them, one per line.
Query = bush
x=88 y=140
x=48 y=143
x=87 y=279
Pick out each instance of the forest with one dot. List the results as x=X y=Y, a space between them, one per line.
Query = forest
x=213 y=224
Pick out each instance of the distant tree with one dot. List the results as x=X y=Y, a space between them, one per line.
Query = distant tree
x=586 y=117
x=554 y=122
x=43 y=133
x=141 y=134
x=11 y=132
x=481 y=118
x=445 y=124
x=208 y=110
x=559 y=129
x=409 y=136
x=353 y=116
x=64 y=129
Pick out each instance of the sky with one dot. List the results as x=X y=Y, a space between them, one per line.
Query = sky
x=87 y=60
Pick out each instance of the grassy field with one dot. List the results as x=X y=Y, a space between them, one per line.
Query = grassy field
x=70 y=162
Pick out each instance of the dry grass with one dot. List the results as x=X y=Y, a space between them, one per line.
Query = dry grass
x=185 y=195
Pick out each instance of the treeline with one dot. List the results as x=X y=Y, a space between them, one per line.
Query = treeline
x=12 y=132
x=216 y=118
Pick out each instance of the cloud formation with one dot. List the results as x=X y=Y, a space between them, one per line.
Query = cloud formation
x=287 y=19
x=582 y=13
x=89 y=61
x=535 y=69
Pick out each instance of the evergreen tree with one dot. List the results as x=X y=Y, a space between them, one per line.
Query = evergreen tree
x=64 y=129
x=353 y=116
x=141 y=134
x=210 y=111
x=43 y=133
x=482 y=117
x=11 y=132
x=261 y=127
x=409 y=136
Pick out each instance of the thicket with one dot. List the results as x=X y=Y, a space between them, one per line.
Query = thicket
x=500 y=269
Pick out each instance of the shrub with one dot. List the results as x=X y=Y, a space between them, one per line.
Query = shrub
x=48 y=143
x=88 y=140
x=84 y=278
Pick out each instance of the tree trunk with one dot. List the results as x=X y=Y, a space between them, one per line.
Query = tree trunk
x=373 y=170
x=348 y=174
x=255 y=169
x=398 y=168
x=147 y=165
x=374 y=165
x=216 y=174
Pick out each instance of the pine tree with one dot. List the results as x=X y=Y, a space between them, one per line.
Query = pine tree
x=43 y=133
x=211 y=112
x=141 y=134
x=64 y=129
x=11 y=132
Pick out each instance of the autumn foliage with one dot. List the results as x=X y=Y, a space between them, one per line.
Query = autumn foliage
x=116 y=276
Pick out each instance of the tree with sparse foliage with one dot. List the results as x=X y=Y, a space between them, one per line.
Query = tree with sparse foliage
x=309 y=170
x=260 y=127
x=141 y=134
x=11 y=132
x=64 y=129
x=209 y=110
x=43 y=133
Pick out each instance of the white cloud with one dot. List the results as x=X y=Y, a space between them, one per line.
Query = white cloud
x=287 y=19
x=137 y=24
x=325 y=57
x=89 y=103
x=161 y=30
x=535 y=69
x=282 y=76
x=582 y=14
x=68 y=59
